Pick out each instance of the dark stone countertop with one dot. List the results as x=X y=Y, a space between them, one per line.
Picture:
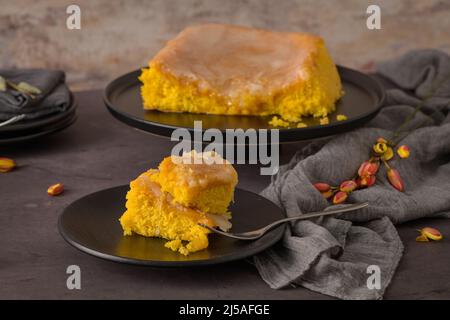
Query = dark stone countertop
x=99 y=152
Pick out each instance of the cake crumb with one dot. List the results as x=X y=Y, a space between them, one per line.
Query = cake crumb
x=341 y=117
x=278 y=122
x=324 y=120
x=173 y=245
x=301 y=125
x=177 y=245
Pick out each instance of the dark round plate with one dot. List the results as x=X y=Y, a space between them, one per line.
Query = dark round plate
x=91 y=224
x=7 y=138
x=361 y=102
x=33 y=124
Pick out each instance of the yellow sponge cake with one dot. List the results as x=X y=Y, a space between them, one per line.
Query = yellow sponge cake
x=153 y=210
x=224 y=69
x=204 y=181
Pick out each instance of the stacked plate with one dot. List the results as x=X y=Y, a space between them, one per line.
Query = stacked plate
x=25 y=130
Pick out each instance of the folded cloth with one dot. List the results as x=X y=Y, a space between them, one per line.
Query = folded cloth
x=332 y=255
x=54 y=96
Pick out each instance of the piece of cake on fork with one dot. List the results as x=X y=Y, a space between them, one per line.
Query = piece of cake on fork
x=233 y=70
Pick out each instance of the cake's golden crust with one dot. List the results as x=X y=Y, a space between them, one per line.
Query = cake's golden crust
x=223 y=69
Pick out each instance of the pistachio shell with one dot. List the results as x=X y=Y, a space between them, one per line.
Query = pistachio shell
x=368 y=168
x=403 y=151
x=322 y=187
x=395 y=179
x=388 y=154
x=422 y=238
x=431 y=233
x=7 y=165
x=371 y=181
x=55 y=189
x=327 y=194
x=340 y=197
x=380 y=147
x=348 y=186
x=366 y=181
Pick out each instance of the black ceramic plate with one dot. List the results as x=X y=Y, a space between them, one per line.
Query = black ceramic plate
x=91 y=225
x=33 y=124
x=361 y=102
x=12 y=138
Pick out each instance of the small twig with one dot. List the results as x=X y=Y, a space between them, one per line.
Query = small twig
x=388 y=167
x=416 y=127
x=435 y=86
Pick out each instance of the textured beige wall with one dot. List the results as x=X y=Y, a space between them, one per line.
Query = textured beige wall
x=118 y=36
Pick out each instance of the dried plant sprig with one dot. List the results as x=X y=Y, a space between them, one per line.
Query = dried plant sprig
x=382 y=151
x=366 y=174
x=435 y=86
x=22 y=87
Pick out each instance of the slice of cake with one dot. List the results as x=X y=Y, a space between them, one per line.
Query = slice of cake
x=204 y=181
x=224 y=69
x=153 y=210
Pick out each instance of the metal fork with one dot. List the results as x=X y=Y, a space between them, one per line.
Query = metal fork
x=256 y=234
x=12 y=120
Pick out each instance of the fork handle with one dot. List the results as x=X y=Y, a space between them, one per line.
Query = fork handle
x=12 y=120
x=352 y=207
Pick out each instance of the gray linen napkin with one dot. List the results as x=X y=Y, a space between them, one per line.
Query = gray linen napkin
x=331 y=255
x=54 y=97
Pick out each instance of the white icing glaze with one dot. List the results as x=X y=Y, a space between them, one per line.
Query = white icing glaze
x=232 y=60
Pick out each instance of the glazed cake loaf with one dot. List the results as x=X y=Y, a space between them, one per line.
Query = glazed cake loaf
x=224 y=69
